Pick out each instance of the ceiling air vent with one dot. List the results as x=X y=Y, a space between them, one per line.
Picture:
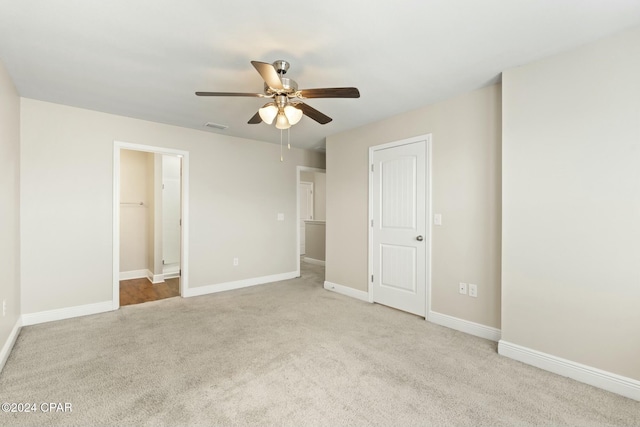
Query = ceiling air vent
x=216 y=126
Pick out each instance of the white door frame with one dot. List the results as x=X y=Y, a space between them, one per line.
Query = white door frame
x=428 y=201
x=298 y=170
x=184 y=239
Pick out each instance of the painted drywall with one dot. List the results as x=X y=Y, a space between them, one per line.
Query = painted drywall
x=319 y=193
x=9 y=205
x=315 y=238
x=136 y=220
x=466 y=191
x=237 y=188
x=571 y=205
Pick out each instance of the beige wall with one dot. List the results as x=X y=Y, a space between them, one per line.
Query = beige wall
x=315 y=238
x=9 y=204
x=466 y=191
x=237 y=188
x=136 y=222
x=571 y=219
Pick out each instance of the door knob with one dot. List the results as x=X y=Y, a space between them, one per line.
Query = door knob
x=419 y=238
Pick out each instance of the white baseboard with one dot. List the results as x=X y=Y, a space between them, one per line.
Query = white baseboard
x=155 y=278
x=346 y=290
x=313 y=261
x=8 y=345
x=466 y=326
x=170 y=271
x=66 y=313
x=133 y=274
x=229 y=286
x=618 y=384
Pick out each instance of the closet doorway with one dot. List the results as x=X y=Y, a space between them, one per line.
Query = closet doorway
x=311 y=216
x=150 y=201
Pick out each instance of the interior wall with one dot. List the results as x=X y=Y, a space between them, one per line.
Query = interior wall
x=9 y=205
x=466 y=190
x=237 y=188
x=136 y=221
x=571 y=205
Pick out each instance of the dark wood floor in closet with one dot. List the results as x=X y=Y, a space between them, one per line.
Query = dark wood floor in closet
x=135 y=291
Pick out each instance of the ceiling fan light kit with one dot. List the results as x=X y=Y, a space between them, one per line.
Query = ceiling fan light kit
x=287 y=107
x=293 y=114
x=268 y=113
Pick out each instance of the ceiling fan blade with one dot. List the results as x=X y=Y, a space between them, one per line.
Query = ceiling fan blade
x=256 y=95
x=269 y=74
x=313 y=113
x=255 y=119
x=331 y=92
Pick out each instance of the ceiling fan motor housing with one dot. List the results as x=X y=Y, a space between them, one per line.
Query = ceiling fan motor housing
x=281 y=66
x=290 y=86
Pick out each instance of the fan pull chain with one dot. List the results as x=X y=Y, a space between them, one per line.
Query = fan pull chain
x=281 y=158
x=289 y=138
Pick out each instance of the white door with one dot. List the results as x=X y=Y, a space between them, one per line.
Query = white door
x=306 y=210
x=399 y=229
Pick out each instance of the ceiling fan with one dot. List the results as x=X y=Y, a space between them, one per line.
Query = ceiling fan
x=286 y=106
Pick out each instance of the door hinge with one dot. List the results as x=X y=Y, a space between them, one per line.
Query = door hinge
x=163 y=186
x=180 y=222
x=162 y=262
x=372 y=278
x=371 y=167
x=372 y=223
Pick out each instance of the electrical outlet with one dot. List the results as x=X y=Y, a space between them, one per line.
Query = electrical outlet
x=462 y=287
x=236 y=261
x=473 y=290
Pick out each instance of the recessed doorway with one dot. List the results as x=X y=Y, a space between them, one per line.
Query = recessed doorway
x=150 y=219
x=311 y=216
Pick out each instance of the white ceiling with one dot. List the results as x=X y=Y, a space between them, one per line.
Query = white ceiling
x=146 y=58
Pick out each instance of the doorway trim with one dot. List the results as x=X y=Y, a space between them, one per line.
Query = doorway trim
x=298 y=170
x=428 y=213
x=184 y=238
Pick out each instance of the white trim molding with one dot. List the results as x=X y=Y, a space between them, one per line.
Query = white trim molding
x=8 y=345
x=134 y=274
x=155 y=278
x=170 y=271
x=614 y=383
x=66 y=313
x=466 y=326
x=313 y=261
x=238 y=284
x=346 y=290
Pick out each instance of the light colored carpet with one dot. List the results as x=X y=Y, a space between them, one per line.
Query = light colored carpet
x=288 y=353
